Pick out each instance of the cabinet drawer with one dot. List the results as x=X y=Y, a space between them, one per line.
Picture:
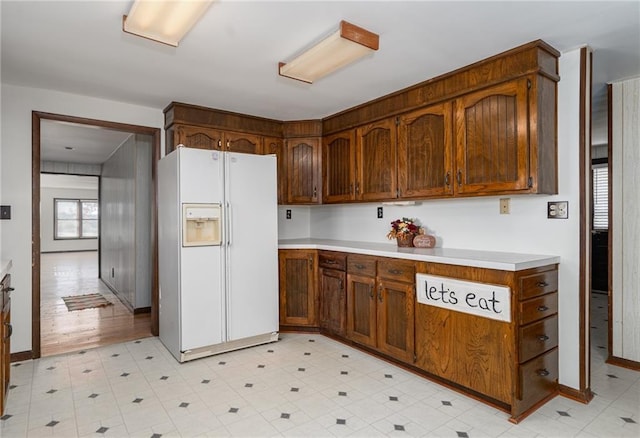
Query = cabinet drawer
x=538 y=378
x=538 y=284
x=398 y=270
x=538 y=337
x=332 y=260
x=361 y=265
x=538 y=308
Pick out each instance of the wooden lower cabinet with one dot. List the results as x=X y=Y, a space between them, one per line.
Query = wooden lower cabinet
x=298 y=293
x=332 y=293
x=380 y=309
x=371 y=301
x=513 y=363
x=5 y=340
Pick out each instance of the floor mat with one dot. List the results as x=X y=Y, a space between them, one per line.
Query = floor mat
x=81 y=302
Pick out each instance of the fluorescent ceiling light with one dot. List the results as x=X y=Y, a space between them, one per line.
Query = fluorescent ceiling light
x=346 y=45
x=166 y=21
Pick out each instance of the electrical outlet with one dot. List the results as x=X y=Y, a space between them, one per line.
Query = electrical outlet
x=5 y=212
x=288 y=214
x=379 y=212
x=558 y=210
x=505 y=205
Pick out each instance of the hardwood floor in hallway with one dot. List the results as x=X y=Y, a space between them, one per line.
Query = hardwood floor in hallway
x=62 y=331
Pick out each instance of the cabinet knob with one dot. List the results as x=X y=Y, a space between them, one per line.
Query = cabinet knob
x=542 y=308
x=543 y=338
x=542 y=284
x=395 y=271
x=543 y=372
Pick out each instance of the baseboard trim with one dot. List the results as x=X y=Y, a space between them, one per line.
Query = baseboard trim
x=584 y=396
x=624 y=363
x=21 y=355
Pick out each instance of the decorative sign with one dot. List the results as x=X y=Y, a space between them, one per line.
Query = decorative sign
x=480 y=299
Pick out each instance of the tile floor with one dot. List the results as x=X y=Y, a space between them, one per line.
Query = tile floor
x=303 y=385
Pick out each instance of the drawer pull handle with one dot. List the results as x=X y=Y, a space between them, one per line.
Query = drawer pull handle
x=543 y=338
x=542 y=284
x=359 y=266
x=370 y=292
x=542 y=308
x=9 y=330
x=395 y=271
x=330 y=262
x=542 y=372
x=10 y=289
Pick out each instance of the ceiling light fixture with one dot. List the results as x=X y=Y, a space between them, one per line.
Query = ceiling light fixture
x=165 y=21
x=346 y=45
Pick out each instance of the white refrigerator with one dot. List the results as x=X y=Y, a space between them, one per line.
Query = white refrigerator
x=218 y=251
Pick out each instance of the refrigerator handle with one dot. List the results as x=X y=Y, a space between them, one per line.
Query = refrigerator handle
x=228 y=221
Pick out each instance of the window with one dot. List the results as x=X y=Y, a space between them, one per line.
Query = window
x=600 y=174
x=75 y=219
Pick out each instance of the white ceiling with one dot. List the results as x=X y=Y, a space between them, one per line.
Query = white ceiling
x=229 y=60
x=51 y=181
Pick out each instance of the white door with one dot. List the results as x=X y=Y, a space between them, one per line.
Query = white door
x=252 y=256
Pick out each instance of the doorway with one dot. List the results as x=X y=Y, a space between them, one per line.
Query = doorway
x=40 y=119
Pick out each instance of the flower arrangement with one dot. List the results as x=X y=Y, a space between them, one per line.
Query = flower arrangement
x=404 y=228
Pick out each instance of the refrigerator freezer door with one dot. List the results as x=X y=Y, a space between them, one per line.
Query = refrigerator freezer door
x=252 y=253
x=201 y=278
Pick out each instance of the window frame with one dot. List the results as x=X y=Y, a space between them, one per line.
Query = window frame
x=80 y=219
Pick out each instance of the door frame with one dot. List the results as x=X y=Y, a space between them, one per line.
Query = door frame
x=36 y=118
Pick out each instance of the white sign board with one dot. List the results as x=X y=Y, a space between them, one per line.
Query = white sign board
x=481 y=299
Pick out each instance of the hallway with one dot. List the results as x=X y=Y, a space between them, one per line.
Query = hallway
x=62 y=331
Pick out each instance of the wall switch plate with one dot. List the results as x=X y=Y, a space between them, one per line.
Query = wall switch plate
x=558 y=210
x=379 y=212
x=288 y=214
x=5 y=212
x=505 y=205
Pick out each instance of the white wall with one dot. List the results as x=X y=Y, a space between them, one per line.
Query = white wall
x=475 y=223
x=17 y=105
x=47 y=242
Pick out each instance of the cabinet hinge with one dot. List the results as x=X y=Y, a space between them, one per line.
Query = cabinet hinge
x=529 y=83
x=397 y=120
x=397 y=193
x=530 y=182
x=415 y=358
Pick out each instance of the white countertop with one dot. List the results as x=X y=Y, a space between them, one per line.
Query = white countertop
x=5 y=265
x=504 y=261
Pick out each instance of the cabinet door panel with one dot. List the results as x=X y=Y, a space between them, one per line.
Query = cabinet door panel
x=425 y=149
x=302 y=170
x=332 y=301
x=338 y=163
x=395 y=319
x=198 y=137
x=361 y=309
x=434 y=340
x=246 y=143
x=376 y=161
x=297 y=287
x=492 y=141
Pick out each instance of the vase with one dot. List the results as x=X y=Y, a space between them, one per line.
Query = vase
x=405 y=241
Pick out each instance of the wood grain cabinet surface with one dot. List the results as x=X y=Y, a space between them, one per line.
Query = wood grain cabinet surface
x=5 y=341
x=275 y=146
x=376 y=152
x=303 y=170
x=380 y=303
x=332 y=292
x=216 y=139
x=298 y=292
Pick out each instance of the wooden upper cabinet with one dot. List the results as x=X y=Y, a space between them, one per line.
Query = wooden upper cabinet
x=338 y=165
x=275 y=146
x=492 y=139
x=240 y=142
x=197 y=137
x=425 y=150
x=303 y=169
x=376 y=167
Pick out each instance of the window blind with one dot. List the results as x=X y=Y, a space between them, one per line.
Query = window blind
x=600 y=197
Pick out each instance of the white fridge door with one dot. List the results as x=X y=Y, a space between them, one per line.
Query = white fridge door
x=252 y=252
x=201 y=273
